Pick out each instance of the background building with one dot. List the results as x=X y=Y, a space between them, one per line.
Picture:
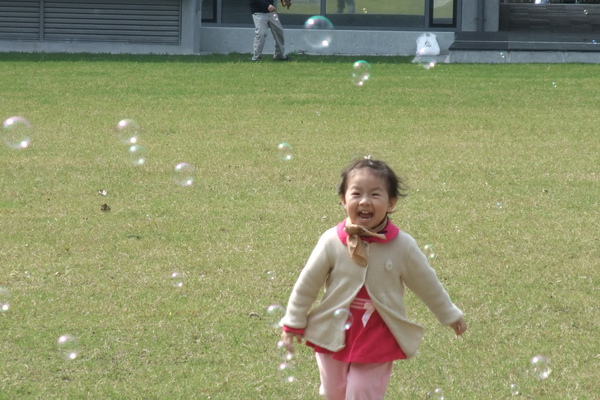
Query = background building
x=362 y=27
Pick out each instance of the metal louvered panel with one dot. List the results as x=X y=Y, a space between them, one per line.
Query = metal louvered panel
x=20 y=19
x=133 y=21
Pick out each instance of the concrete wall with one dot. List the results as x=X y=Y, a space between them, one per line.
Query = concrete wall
x=344 y=42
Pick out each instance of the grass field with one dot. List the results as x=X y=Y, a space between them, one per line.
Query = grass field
x=503 y=166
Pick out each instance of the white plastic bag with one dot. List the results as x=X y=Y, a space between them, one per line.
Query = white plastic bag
x=427 y=45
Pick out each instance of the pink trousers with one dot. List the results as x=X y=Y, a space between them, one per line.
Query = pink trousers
x=354 y=381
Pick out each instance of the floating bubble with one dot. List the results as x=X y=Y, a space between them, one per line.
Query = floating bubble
x=67 y=347
x=4 y=299
x=427 y=63
x=554 y=84
x=540 y=367
x=499 y=205
x=586 y=12
x=183 y=174
x=344 y=316
x=128 y=131
x=502 y=55
x=271 y=275
x=287 y=371
x=429 y=251
x=318 y=32
x=364 y=10
x=285 y=151
x=16 y=133
x=514 y=389
x=137 y=155
x=177 y=279
x=274 y=315
x=283 y=353
x=437 y=394
x=361 y=72
x=102 y=193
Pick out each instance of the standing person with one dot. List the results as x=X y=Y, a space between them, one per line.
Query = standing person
x=364 y=263
x=265 y=17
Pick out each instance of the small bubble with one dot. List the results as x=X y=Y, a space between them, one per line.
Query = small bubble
x=67 y=347
x=514 y=389
x=274 y=315
x=285 y=151
x=345 y=317
x=437 y=394
x=102 y=193
x=183 y=174
x=137 y=155
x=286 y=370
x=128 y=131
x=4 y=299
x=364 y=10
x=318 y=32
x=283 y=353
x=429 y=251
x=361 y=72
x=554 y=84
x=16 y=132
x=540 y=367
x=271 y=275
x=586 y=12
x=177 y=279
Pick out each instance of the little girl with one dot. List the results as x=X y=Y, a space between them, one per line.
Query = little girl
x=364 y=264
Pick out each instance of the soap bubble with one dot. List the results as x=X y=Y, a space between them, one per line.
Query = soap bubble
x=183 y=174
x=344 y=316
x=437 y=394
x=137 y=155
x=427 y=63
x=540 y=367
x=177 y=279
x=16 y=132
x=128 y=131
x=284 y=151
x=429 y=251
x=286 y=369
x=514 y=389
x=318 y=32
x=361 y=72
x=283 y=353
x=274 y=315
x=4 y=299
x=271 y=275
x=67 y=347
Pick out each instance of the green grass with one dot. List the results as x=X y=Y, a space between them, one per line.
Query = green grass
x=465 y=137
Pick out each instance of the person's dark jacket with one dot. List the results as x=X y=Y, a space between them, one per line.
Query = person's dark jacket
x=260 y=6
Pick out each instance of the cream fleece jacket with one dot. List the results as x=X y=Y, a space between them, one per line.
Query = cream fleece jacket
x=392 y=267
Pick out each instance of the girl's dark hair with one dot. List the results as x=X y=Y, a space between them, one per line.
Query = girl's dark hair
x=395 y=186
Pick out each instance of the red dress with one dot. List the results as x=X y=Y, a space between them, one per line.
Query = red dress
x=369 y=341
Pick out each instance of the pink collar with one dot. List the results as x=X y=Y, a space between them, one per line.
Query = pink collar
x=390 y=231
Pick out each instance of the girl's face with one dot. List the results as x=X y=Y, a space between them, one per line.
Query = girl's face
x=366 y=200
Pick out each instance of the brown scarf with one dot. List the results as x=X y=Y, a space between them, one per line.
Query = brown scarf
x=358 y=253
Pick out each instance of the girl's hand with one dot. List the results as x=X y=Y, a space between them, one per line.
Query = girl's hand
x=459 y=327
x=288 y=340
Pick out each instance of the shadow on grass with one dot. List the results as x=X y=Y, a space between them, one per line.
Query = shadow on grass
x=204 y=58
